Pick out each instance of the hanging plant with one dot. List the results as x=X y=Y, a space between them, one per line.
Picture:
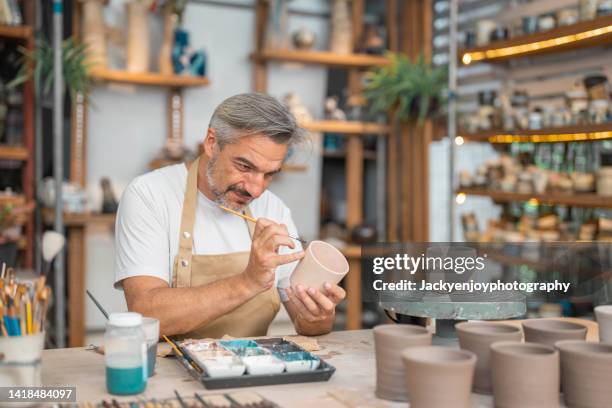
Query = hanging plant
x=412 y=90
x=74 y=64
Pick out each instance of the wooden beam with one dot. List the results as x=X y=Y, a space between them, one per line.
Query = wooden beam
x=76 y=286
x=260 y=68
x=392 y=28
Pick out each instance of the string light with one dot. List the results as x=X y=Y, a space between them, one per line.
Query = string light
x=551 y=138
x=459 y=140
x=494 y=53
x=460 y=198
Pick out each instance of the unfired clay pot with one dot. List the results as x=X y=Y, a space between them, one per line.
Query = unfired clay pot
x=390 y=340
x=322 y=263
x=586 y=373
x=439 y=377
x=477 y=337
x=549 y=331
x=604 y=319
x=525 y=375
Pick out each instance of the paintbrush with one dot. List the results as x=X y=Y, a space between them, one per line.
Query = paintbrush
x=181 y=354
x=93 y=299
x=180 y=399
x=253 y=220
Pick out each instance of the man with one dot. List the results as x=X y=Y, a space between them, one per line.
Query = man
x=202 y=271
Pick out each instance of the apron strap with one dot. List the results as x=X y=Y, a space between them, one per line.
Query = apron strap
x=182 y=273
x=185 y=251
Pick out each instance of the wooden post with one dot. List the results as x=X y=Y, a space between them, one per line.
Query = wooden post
x=260 y=70
x=76 y=286
x=416 y=40
x=392 y=142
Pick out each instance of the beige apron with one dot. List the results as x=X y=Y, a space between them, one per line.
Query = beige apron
x=252 y=318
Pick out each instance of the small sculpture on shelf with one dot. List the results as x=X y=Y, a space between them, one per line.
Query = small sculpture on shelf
x=373 y=41
x=184 y=59
x=333 y=141
x=304 y=39
x=109 y=202
x=297 y=108
x=332 y=111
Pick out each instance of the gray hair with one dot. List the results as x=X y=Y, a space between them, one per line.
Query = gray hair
x=254 y=113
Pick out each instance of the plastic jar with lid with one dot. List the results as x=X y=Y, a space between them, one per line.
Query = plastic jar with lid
x=125 y=349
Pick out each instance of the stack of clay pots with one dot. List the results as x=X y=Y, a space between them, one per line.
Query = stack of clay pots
x=422 y=369
x=554 y=356
x=493 y=359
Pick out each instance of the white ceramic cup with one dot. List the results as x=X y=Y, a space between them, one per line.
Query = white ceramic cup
x=20 y=363
x=322 y=263
x=603 y=314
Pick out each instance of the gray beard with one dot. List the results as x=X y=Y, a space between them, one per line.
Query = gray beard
x=219 y=196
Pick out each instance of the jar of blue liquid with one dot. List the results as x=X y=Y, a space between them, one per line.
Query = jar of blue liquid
x=125 y=350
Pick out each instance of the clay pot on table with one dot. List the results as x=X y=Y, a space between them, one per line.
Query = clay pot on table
x=603 y=314
x=586 y=373
x=390 y=340
x=549 y=331
x=477 y=337
x=322 y=263
x=525 y=375
x=439 y=377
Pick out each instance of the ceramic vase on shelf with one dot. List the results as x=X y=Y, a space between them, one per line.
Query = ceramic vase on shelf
x=277 y=33
x=165 y=51
x=138 y=38
x=341 y=38
x=94 y=32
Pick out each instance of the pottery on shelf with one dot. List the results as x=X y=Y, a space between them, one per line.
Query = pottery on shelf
x=603 y=314
x=586 y=373
x=390 y=340
x=341 y=37
x=525 y=375
x=170 y=21
x=322 y=263
x=138 y=38
x=94 y=32
x=549 y=331
x=477 y=337
x=438 y=377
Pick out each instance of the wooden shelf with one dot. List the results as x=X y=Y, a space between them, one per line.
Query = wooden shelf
x=322 y=58
x=575 y=200
x=79 y=219
x=341 y=154
x=13 y=153
x=574 y=133
x=150 y=78
x=584 y=34
x=12 y=199
x=18 y=32
x=347 y=127
x=294 y=168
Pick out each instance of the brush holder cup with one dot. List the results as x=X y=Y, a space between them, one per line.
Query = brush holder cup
x=20 y=360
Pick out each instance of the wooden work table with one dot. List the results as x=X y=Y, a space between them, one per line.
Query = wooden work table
x=351 y=352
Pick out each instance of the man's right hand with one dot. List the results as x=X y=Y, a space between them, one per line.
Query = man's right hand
x=268 y=237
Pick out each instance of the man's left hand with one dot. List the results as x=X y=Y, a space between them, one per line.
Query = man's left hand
x=314 y=306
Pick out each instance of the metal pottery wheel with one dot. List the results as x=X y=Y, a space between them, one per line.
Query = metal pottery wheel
x=450 y=308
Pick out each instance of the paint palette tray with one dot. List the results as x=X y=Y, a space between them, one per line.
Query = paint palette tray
x=246 y=362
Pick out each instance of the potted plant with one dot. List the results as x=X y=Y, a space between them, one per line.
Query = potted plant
x=40 y=59
x=12 y=217
x=411 y=90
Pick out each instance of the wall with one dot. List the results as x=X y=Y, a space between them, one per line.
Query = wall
x=127 y=126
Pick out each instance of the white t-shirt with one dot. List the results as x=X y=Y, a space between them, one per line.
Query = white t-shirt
x=149 y=219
